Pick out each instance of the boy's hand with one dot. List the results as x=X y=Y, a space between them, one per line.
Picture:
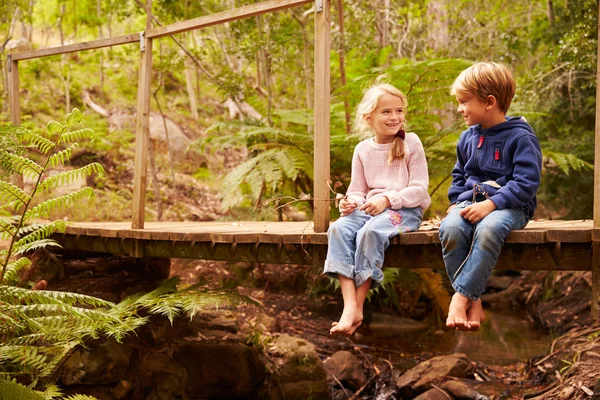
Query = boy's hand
x=450 y=208
x=376 y=207
x=476 y=212
x=347 y=206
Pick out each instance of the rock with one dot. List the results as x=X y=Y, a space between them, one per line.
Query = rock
x=434 y=394
x=383 y=325
x=290 y=346
x=420 y=378
x=102 y=362
x=346 y=368
x=220 y=370
x=462 y=390
x=314 y=390
x=596 y=395
x=221 y=320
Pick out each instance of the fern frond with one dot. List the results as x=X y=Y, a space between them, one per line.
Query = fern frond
x=435 y=286
x=7 y=229
x=44 y=145
x=74 y=136
x=10 y=192
x=11 y=294
x=568 y=162
x=21 y=165
x=80 y=397
x=11 y=390
x=55 y=128
x=13 y=269
x=45 y=208
x=70 y=176
x=43 y=232
x=40 y=244
x=62 y=156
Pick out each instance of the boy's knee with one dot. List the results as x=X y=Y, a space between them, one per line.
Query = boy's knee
x=490 y=237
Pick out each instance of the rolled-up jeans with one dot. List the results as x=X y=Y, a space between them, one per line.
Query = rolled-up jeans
x=357 y=242
x=471 y=250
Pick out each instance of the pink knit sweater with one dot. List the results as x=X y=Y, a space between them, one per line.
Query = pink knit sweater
x=404 y=182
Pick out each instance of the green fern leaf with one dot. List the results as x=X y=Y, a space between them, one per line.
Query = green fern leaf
x=44 y=209
x=11 y=390
x=74 y=136
x=62 y=156
x=7 y=230
x=70 y=176
x=43 y=232
x=13 y=269
x=55 y=128
x=74 y=116
x=22 y=165
x=10 y=192
x=44 y=145
x=11 y=294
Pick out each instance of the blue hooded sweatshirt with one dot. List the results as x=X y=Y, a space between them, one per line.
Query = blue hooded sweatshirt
x=509 y=154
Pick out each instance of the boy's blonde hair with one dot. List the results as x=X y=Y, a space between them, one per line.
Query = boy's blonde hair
x=368 y=104
x=484 y=79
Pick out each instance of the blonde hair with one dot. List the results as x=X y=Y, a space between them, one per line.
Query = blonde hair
x=484 y=79
x=368 y=104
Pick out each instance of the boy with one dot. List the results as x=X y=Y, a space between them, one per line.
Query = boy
x=494 y=185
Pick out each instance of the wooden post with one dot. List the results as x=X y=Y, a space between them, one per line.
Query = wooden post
x=596 y=244
x=14 y=103
x=322 y=114
x=13 y=91
x=142 y=126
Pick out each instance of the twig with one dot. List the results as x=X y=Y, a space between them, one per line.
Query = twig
x=359 y=391
x=441 y=390
x=361 y=352
x=342 y=386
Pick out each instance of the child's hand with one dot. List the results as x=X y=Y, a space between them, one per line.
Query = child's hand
x=478 y=211
x=376 y=207
x=347 y=206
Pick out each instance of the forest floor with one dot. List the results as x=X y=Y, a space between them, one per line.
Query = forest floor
x=290 y=295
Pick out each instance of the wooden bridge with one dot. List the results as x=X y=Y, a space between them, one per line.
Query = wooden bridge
x=568 y=245
x=544 y=245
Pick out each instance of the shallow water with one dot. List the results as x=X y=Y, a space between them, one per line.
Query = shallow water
x=505 y=337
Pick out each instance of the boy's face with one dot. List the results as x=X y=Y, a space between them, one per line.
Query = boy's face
x=387 y=118
x=472 y=109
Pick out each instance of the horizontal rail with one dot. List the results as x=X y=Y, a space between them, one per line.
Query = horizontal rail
x=225 y=16
x=72 y=48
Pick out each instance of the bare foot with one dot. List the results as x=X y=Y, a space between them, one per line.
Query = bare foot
x=457 y=313
x=475 y=315
x=350 y=320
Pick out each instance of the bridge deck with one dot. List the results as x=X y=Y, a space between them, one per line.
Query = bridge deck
x=542 y=245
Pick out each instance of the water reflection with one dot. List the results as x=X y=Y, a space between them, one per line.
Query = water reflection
x=505 y=337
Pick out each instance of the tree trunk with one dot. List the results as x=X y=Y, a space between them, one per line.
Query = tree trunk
x=438 y=28
x=189 y=84
x=550 y=13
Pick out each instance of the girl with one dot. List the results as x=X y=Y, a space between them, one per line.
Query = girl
x=386 y=196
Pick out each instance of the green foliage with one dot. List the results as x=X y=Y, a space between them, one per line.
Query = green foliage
x=39 y=328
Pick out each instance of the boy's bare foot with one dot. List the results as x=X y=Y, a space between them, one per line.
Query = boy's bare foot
x=350 y=320
x=457 y=313
x=475 y=315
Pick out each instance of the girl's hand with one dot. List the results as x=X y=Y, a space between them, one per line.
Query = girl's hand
x=478 y=211
x=377 y=206
x=347 y=206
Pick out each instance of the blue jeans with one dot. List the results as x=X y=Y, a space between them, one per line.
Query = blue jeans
x=471 y=251
x=357 y=242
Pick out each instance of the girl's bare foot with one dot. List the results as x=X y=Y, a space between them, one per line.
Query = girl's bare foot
x=475 y=315
x=457 y=313
x=350 y=320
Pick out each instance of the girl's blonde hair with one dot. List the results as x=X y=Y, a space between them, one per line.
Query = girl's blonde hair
x=368 y=104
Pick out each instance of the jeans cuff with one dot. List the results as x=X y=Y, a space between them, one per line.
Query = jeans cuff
x=333 y=268
x=375 y=274
x=462 y=292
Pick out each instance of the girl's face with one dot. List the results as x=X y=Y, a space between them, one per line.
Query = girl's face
x=387 y=118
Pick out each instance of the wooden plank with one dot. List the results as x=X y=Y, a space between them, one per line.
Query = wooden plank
x=322 y=117
x=596 y=247
x=72 y=48
x=225 y=16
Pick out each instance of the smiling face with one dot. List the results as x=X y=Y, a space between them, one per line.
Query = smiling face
x=387 y=118
x=472 y=109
